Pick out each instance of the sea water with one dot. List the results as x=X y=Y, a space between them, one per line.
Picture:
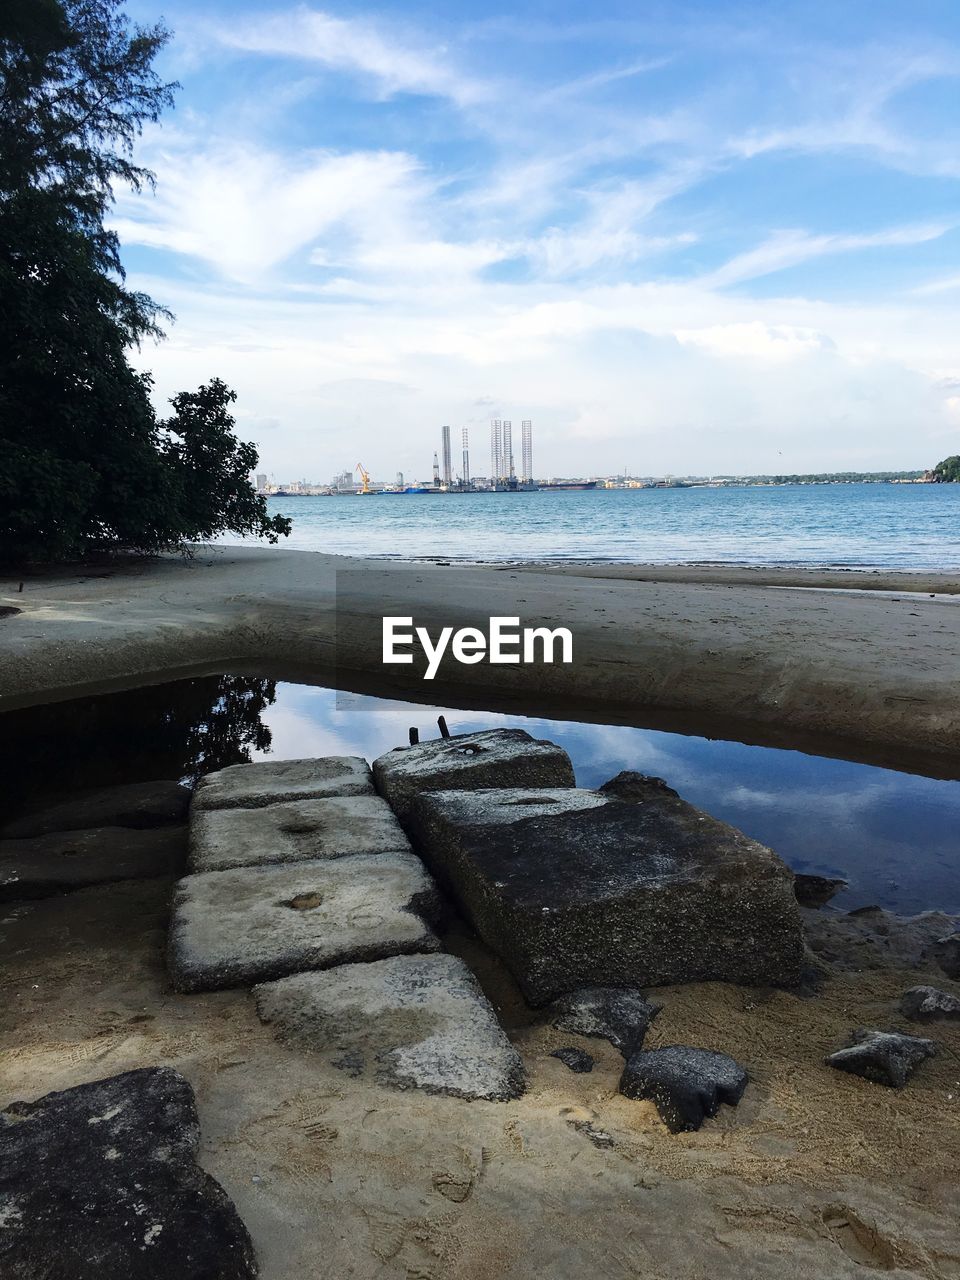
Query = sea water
x=886 y=526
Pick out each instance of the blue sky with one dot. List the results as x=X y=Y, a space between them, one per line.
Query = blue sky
x=707 y=238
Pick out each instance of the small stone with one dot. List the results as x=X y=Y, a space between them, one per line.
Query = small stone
x=621 y=1015
x=137 y=804
x=883 y=1057
x=946 y=952
x=686 y=1084
x=816 y=891
x=102 y=1181
x=578 y=1061
x=251 y=786
x=927 y=1004
x=352 y=1063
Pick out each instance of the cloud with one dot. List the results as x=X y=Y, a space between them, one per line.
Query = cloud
x=755 y=340
x=353 y=45
x=790 y=248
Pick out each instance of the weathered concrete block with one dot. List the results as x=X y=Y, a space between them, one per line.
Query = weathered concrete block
x=60 y=861
x=250 y=786
x=102 y=1181
x=294 y=832
x=252 y=924
x=468 y=761
x=579 y=888
x=135 y=804
x=415 y=1022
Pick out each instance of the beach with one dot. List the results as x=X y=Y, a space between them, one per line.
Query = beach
x=843 y=662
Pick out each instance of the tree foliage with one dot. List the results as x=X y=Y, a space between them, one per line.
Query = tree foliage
x=85 y=464
x=948 y=471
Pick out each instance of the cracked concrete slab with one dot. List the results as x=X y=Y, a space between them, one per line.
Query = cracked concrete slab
x=250 y=786
x=413 y=1022
x=253 y=924
x=467 y=761
x=297 y=831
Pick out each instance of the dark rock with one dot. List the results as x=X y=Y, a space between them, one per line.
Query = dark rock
x=577 y=888
x=352 y=1063
x=872 y=938
x=884 y=1057
x=927 y=1004
x=619 y=1014
x=467 y=762
x=686 y=1084
x=578 y=1061
x=40 y=866
x=816 y=891
x=101 y=1182
x=137 y=804
x=946 y=952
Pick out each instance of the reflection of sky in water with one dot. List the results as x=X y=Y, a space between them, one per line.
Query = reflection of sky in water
x=893 y=835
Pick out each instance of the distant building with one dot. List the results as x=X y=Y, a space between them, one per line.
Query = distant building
x=261 y=483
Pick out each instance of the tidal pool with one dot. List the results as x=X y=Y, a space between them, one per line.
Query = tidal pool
x=893 y=835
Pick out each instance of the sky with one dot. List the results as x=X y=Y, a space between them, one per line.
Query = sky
x=681 y=238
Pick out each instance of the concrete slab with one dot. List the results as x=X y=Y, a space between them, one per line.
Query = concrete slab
x=468 y=761
x=627 y=888
x=413 y=1022
x=250 y=786
x=253 y=924
x=61 y=861
x=294 y=832
x=134 y=804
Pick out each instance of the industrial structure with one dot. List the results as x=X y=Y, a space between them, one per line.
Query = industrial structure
x=503 y=472
x=526 y=445
x=447 y=468
x=465 y=476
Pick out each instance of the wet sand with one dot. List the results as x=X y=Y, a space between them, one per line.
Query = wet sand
x=840 y=662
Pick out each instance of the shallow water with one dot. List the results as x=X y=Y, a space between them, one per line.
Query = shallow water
x=892 y=834
x=858 y=525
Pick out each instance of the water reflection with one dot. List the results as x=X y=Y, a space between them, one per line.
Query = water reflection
x=179 y=730
x=892 y=835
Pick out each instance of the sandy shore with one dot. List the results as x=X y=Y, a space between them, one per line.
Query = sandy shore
x=814 y=660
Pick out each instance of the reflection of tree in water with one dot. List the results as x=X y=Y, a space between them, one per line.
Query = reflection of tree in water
x=178 y=730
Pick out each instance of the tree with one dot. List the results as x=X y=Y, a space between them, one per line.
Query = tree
x=85 y=464
x=948 y=471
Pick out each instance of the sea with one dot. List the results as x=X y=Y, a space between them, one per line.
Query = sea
x=862 y=526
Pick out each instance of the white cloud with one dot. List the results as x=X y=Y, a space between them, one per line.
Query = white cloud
x=755 y=340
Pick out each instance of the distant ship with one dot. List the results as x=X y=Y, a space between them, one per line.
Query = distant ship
x=572 y=484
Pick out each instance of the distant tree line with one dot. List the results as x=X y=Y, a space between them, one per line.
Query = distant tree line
x=947 y=471
x=85 y=463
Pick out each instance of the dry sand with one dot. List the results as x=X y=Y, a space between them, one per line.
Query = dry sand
x=768 y=656
x=816 y=1171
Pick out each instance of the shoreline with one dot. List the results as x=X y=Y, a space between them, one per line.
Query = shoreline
x=777 y=656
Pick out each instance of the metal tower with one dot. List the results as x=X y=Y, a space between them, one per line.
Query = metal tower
x=496 y=451
x=526 y=447
x=466 y=459
x=447 y=471
x=506 y=462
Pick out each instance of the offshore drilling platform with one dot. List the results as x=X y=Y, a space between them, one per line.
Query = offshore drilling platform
x=503 y=477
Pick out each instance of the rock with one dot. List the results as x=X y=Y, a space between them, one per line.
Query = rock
x=295 y=831
x=102 y=1181
x=884 y=1057
x=816 y=891
x=946 y=952
x=467 y=762
x=926 y=1004
x=252 y=924
x=578 y=888
x=40 y=866
x=578 y=1061
x=251 y=786
x=687 y=1085
x=621 y=1015
x=137 y=804
x=872 y=938
x=421 y=1020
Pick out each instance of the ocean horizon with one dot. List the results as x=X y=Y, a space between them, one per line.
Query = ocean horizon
x=850 y=526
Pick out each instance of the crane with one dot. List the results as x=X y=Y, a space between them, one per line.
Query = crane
x=364 y=478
